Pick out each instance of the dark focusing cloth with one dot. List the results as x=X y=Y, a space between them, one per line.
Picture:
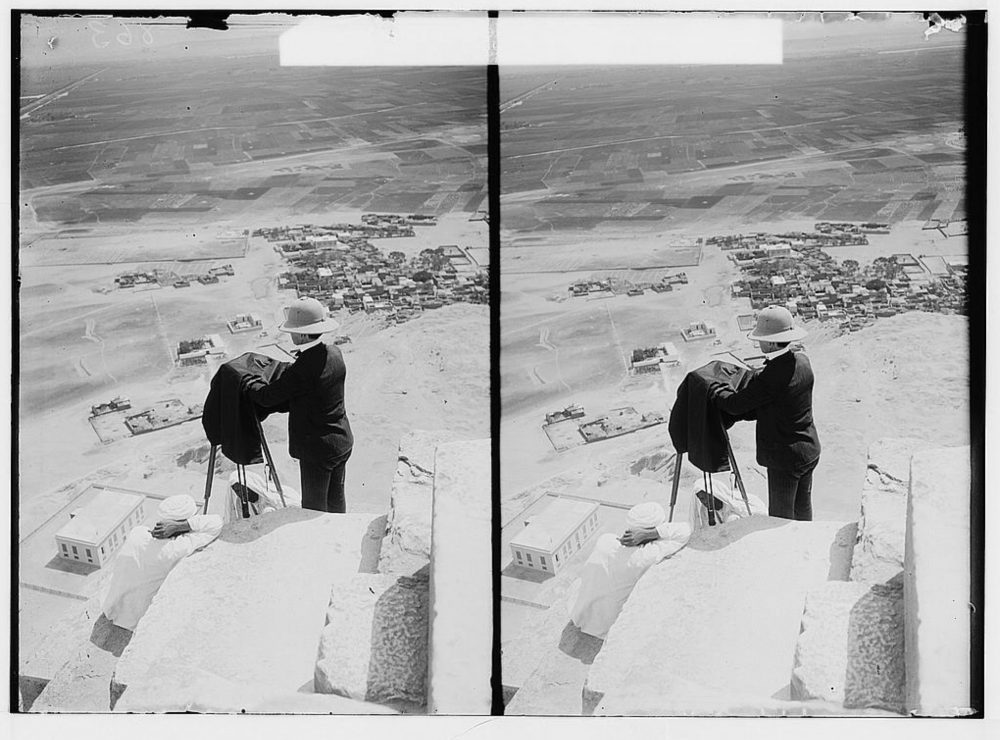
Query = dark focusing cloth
x=696 y=426
x=228 y=418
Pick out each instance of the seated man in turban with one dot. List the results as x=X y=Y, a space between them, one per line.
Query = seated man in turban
x=613 y=568
x=148 y=555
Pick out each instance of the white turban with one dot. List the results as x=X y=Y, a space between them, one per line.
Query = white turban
x=177 y=508
x=648 y=514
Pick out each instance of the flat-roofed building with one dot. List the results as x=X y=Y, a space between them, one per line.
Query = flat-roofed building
x=196 y=351
x=936 y=265
x=781 y=249
x=217 y=347
x=958 y=262
x=698 y=330
x=97 y=529
x=552 y=537
x=245 y=322
x=652 y=359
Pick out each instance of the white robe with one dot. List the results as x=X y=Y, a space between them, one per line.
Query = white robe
x=733 y=506
x=143 y=564
x=269 y=499
x=611 y=572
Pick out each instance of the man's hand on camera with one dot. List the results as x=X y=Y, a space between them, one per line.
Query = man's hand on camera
x=716 y=389
x=639 y=536
x=166 y=530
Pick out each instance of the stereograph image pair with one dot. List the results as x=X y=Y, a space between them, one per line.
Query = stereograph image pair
x=256 y=469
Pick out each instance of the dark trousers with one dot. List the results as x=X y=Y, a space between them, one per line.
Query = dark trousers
x=789 y=493
x=322 y=489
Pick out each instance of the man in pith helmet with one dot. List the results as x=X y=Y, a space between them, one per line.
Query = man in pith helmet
x=319 y=434
x=780 y=397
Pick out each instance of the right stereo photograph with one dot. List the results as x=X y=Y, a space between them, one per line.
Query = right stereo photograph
x=735 y=431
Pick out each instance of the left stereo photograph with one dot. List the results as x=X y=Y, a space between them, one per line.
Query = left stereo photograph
x=252 y=400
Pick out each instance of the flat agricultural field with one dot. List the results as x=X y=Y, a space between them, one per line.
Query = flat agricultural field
x=140 y=165
x=134 y=246
x=617 y=172
x=588 y=252
x=870 y=134
x=225 y=140
x=552 y=350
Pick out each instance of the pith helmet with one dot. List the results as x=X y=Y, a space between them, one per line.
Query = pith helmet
x=307 y=316
x=774 y=324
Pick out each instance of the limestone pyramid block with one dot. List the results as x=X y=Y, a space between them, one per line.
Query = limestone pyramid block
x=407 y=545
x=937 y=584
x=82 y=684
x=878 y=556
x=850 y=650
x=723 y=614
x=461 y=640
x=202 y=691
x=374 y=644
x=64 y=640
x=250 y=607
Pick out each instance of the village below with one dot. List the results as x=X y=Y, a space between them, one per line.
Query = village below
x=650 y=217
x=146 y=450
x=177 y=195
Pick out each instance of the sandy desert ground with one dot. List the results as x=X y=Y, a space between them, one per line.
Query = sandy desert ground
x=430 y=373
x=83 y=342
x=904 y=376
x=575 y=351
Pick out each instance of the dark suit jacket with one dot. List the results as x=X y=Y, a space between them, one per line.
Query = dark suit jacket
x=313 y=387
x=781 y=397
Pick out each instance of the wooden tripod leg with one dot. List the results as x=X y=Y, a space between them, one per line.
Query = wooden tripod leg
x=675 y=482
x=707 y=483
x=737 y=475
x=270 y=461
x=211 y=475
x=241 y=473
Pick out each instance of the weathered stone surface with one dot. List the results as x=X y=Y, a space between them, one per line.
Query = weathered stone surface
x=374 y=644
x=461 y=581
x=890 y=458
x=524 y=650
x=637 y=697
x=936 y=583
x=850 y=650
x=722 y=615
x=249 y=608
x=878 y=555
x=563 y=658
x=407 y=545
x=82 y=684
x=63 y=641
x=201 y=690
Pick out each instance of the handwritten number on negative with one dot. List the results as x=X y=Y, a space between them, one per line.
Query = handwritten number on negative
x=98 y=28
x=124 y=37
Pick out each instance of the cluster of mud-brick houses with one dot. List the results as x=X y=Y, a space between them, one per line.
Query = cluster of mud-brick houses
x=159 y=278
x=338 y=265
x=792 y=270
